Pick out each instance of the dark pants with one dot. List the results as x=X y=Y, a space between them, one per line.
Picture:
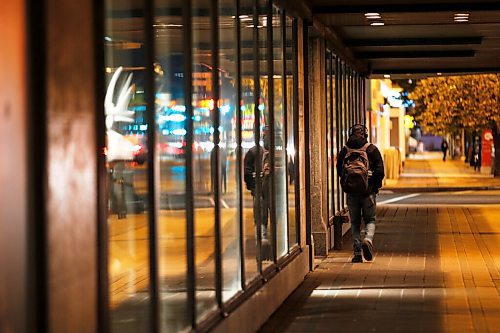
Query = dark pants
x=264 y=214
x=366 y=207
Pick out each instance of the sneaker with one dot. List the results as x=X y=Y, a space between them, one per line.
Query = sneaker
x=367 y=248
x=357 y=258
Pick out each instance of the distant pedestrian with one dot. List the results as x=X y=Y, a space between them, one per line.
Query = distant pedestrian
x=444 y=148
x=223 y=168
x=361 y=169
x=477 y=155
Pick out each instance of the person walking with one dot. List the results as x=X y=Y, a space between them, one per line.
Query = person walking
x=361 y=169
x=444 y=148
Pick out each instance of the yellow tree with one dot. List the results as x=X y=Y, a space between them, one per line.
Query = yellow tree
x=452 y=103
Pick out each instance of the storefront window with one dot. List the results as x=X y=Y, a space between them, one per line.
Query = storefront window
x=203 y=159
x=171 y=163
x=290 y=125
x=228 y=151
x=127 y=169
x=195 y=191
x=280 y=161
x=247 y=107
x=265 y=136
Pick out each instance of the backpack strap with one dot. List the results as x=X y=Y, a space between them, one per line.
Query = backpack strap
x=365 y=147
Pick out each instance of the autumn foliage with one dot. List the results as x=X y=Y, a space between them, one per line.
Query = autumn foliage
x=446 y=104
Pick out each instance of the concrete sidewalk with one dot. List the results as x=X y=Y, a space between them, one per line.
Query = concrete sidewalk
x=434 y=270
x=427 y=172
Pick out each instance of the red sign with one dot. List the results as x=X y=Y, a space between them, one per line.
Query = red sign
x=486 y=143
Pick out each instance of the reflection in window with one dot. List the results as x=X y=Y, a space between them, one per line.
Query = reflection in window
x=229 y=182
x=204 y=105
x=265 y=138
x=290 y=124
x=171 y=163
x=127 y=170
x=247 y=107
x=280 y=162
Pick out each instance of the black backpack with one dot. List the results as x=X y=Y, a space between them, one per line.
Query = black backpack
x=355 y=167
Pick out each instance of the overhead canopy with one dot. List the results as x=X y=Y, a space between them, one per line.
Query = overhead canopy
x=413 y=37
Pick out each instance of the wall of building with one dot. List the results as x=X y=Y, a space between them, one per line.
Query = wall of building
x=14 y=204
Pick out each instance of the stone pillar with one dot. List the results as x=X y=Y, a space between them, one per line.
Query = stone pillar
x=318 y=158
x=71 y=165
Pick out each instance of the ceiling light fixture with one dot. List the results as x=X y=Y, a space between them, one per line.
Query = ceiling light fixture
x=373 y=16
x=377 y=24
x=461 y=17
x=387 y=76
x=439 y=73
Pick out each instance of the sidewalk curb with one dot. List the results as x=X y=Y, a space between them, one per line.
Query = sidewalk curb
x=439 y=189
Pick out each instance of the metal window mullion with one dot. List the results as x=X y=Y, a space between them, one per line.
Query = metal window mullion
x=285 y=116
x=272 y=142
x=214 y=23
x=258 y=185
x=149 y=47
x=295 y=78
x=239 y=154
x=189 y=199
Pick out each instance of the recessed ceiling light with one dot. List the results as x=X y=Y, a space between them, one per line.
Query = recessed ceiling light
x=462 y=14
x=377 y=23
x=372 y=14
x=387 y=76
x=439 y=73
x=461 y=20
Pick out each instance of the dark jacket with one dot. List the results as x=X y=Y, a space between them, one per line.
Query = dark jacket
x=250 y=171
x=374 y=158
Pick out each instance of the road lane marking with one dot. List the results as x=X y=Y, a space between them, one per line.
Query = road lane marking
x=399 y=198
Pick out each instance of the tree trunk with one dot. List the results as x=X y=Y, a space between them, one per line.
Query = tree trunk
x=496 y=143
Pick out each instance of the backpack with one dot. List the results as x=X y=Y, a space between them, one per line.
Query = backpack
x=355 y=167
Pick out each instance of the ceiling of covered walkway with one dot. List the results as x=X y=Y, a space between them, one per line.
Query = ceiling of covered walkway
x=405 y=38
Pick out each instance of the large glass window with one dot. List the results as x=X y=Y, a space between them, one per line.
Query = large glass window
x=291 y=152
x=280 y=161
x=170 y=103
x=264 y=125
x=247 y=107
x=228 y=151
x=204 y=109
x=127 y=169
x=208 y=101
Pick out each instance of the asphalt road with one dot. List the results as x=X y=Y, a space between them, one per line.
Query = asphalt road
x=468 y=197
